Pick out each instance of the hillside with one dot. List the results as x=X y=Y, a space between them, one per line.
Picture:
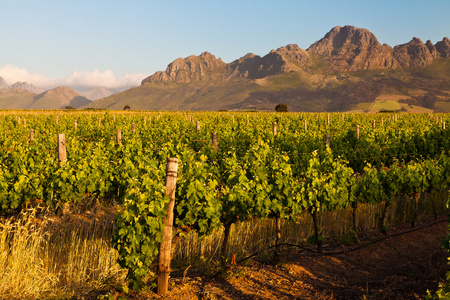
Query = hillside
x=348 y=69
x=57 y=98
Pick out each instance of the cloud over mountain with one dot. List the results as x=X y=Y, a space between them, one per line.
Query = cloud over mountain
x=81 y=81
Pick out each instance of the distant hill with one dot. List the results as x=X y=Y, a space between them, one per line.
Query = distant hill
x=57 y=98
x=348 y=69
x=98 y=93
x=27 y=87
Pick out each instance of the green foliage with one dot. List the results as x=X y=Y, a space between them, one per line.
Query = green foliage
x=281 y=108
x=140 y=225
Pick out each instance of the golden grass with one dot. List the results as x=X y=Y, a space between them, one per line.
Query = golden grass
x=52 y=257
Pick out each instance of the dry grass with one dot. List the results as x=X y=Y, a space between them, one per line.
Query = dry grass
x=51 y=257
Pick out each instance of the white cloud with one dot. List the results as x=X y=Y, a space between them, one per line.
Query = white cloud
x=81 y=81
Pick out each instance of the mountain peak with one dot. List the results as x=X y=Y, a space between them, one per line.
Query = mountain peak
x=443 y=47
x=27 y=87
x=3 y=84
x=185 y=70
x=350 y=48
x=413 y=53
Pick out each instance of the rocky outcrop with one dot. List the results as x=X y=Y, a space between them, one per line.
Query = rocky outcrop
x=350 y=48
x=432 y=49
x=27 y=87
x=192 y=68
x=294 y=54
x=443 y=48
x=3 y=84
x=414 y=53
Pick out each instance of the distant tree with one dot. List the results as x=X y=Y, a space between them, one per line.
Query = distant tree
x=281 y=107
x=429 y=100
x=127 y=107
x=69 y=107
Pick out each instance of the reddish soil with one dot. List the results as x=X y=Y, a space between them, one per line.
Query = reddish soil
x=402 y=266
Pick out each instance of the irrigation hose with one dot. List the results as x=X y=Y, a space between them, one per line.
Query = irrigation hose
x=315 y=252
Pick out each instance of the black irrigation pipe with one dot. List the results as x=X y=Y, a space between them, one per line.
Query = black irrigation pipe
x=315 y=252
x=343 y=251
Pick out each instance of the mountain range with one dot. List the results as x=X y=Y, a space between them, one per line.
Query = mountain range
x=347 y=70
x=23 y=95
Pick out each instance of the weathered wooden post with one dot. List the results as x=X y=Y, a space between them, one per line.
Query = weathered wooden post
x=248 y=121
x=133 y=128
x=328 y=119
x=214 y=141
x=274 y=128
x=166 y=244
x=198 y=126
x=306 y=126
x=62 y=156
x=382 y=121
x=119 y=136
x=443 y=125
x=24 y=122
x=75 y=124
x=373 y=125
x=31 y=135
x=99 y=122
x=357 y=132
x=327 y=140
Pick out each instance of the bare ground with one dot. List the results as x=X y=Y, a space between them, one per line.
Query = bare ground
x=402 y=266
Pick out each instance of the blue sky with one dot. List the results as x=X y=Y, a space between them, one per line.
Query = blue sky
x=118 y=43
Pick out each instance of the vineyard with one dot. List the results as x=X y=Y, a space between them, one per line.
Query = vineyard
x=232 y=167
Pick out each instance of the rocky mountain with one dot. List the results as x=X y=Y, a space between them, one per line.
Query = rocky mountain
x=348 y=68
x=27 y=87
x=98 y=93
x=352 y=49
x=3 y=84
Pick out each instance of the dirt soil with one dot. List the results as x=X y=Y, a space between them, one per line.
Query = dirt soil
x=401 y=266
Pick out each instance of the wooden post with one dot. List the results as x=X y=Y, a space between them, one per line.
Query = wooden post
x=327 y=140
x=214 y=141
x=306 y=126
x=373 y=125
x=145 y=121
x=198 y=126
x=133 y=128
x=248 y=121
x=99 y=122
x=382 y=121
x=357 y=132
x=443 y=125
x=328 y=119
x=166 y=244
x=62 y=156
x=24 y=122
x=275 y=128
x=31 y=135
x=119 y=136
x=75 y=124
